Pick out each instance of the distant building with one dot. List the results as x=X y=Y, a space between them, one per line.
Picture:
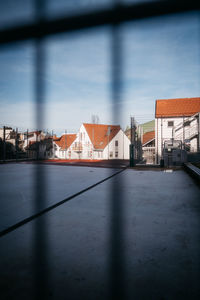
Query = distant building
x=143 y=153
x=148 y=147
x=33 y=136
x=93 y=141
x=8 y=130
x=40 y=149
x=63 y=146
x=177 y=120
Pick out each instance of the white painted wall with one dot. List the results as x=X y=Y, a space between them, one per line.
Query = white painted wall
x=120 y=152
x=164 y=132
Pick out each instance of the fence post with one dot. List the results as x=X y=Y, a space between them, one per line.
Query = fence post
x=132 y=163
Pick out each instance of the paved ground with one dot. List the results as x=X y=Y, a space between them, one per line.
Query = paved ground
x=72 y=251
x=19 y=187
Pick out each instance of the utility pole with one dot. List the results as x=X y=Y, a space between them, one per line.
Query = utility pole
x=108 y=134
x=132 y=145
x=27 y=143
x=65 y=144
x=37 y=145
x=93 y=142
x=16 y=143
x=52 y=146
x=4 y=143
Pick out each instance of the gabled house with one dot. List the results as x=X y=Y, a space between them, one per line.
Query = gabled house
x=177 y=120
x=100 y=141
x=63 y=146
x=93 y=141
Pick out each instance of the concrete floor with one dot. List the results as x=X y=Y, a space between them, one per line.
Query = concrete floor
x=18 y=187
x=66 y=253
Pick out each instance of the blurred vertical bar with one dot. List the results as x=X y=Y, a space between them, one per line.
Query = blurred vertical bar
x=40 y=241
x=117 y=256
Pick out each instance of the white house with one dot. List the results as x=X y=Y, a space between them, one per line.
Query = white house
x=177 y=120
x=94 y=141
x=63 y=146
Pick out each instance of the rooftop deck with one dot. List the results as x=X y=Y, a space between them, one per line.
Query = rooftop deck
x=68 y=252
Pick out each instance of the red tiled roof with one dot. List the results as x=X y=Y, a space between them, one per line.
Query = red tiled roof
x=177 y=107
x=148 y=136
x=65 y=141
x=98 y=134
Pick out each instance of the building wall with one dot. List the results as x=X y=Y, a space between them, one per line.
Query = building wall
x=83 y=143
x=7 y=133
x=164 y=132
x=120 y=152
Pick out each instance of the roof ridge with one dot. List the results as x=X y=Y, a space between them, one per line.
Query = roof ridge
x=171 y=99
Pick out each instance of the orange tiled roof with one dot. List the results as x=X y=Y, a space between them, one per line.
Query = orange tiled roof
x=148 y=136
x=65 y=141
x=98 y=134
x=177 y=107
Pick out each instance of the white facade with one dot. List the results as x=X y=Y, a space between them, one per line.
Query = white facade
x=112 y=151
x=83 y=148
x=177 y=128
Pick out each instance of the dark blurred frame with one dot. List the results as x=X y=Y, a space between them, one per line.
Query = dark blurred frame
x=38 y=30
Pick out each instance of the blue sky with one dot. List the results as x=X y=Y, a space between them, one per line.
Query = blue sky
x=161 y=59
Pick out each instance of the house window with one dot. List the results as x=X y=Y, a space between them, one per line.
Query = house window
x=116 y=154
x=170 y=123
x=116 y=143
x=111 y=154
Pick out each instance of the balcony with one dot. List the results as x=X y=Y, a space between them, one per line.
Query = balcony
x=78 y=147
